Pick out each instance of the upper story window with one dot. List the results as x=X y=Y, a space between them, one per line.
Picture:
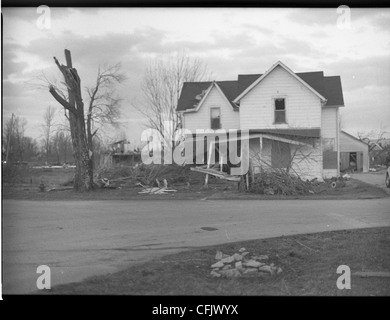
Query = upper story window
x=280 y=110
x=215 y=118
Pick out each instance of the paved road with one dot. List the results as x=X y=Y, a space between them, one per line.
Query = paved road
x=83 y=238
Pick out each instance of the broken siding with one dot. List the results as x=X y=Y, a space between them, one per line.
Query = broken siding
x=306 y=160
x=303 y=108
x=329 y=142
x=201 y=118
x=260 y=160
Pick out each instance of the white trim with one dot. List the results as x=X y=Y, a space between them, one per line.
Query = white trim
x=335 y=106
x=273 y=98
x=279 y=63
x=214 y=83
x=338 y=140
x=289 y=141
x=220 y=116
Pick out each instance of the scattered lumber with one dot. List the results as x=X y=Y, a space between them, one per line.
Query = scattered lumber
x=218 y=174
x=372 y=274
x=60 y=189
x=156 y=190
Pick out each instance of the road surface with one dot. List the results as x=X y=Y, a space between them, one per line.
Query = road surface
x=77 y=239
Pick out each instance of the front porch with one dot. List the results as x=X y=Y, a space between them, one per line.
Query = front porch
x=240 y=153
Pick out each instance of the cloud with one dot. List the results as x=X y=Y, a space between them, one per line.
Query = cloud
x=230 y=42
x=379 y=18
x=361 y=73
x=10 y=67
x=258 y=28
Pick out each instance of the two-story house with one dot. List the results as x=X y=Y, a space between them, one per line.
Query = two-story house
x=292 y=118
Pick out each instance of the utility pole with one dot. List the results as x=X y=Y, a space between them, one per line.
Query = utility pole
x=9 y=138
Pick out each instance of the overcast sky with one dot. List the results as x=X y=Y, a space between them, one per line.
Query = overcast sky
x=230 y=41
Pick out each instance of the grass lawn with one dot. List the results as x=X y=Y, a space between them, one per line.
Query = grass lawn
x=309 y=264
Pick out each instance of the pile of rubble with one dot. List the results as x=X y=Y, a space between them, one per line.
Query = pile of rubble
x=281 y=182
x=242 y=264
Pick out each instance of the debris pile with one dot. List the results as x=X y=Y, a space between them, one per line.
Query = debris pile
x=279 y=182
x=160 y=189
x=337 y=182
x=242 y=264
x=282 y=183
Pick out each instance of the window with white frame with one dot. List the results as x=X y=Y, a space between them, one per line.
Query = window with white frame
x=215 y=118
x=280 y=110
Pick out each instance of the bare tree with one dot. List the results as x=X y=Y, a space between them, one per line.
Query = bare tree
x=62 y=145
x=103 y=108
x=161 y=87
x=14 y=139
x=373 y=138
x=48 y=128
x=74 y=109
x=378 y=150
x=104 y=104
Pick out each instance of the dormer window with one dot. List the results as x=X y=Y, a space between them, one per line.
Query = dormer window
x=280 y=110
x=215 y=118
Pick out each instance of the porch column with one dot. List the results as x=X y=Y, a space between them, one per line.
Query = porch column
x=260 y=152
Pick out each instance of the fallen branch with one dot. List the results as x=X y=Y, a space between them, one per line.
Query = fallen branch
x=305 y=246
x=60 y=189
x=372 y=274
x=218 y=174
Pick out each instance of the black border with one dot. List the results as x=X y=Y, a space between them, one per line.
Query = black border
x=196 y=3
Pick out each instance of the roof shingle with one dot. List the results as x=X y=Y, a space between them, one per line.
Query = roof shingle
x=328 y=87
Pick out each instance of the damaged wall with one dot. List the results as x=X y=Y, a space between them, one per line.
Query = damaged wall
x=306 y=160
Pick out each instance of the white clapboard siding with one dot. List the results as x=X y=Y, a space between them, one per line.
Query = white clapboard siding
x=329 y=123
x=307 y=161
x=303 y=107
x=201 y=119
x=329 y=133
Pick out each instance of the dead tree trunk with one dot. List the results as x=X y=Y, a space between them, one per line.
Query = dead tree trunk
x=83 y=179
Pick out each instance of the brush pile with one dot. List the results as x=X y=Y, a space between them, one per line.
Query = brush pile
x=282 y=183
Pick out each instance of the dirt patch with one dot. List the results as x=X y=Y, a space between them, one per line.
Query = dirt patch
x=309 y=264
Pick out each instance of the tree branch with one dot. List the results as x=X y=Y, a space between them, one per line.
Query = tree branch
x=61 y=100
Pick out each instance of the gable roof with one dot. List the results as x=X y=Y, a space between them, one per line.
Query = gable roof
x=191 y=90
x=333 y=91
x=352 y=136
x=278 y=64
x=329 y=88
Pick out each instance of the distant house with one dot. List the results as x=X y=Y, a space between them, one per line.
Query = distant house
x=121 y=152
x=292 y=118
x=354 y=154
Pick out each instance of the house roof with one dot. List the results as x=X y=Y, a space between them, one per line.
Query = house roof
x=352 y=136
x=269 y=71
x=328 y=87
x=190 y=90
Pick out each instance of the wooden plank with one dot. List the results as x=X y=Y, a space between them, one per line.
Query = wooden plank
x=221 y=175
x=206 y=181
x=290 y=141
x=372 y=274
